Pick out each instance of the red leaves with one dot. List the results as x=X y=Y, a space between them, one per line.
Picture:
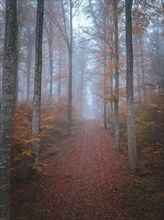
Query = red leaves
x=89 y=183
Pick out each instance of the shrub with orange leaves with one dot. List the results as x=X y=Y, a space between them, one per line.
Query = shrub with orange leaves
x=53 y=126
x=21 y=149
x=22 y=124
x=54 y=119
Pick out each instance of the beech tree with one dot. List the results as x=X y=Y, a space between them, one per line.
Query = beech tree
x=2 y=25
x=129 y=89
x=116 y=97
x=68 y=10
x=80 y=68
x=49 y=33
x=30 y=44
x=7 y=105
x=103 y=33
x=37 y=83
x=70 y=55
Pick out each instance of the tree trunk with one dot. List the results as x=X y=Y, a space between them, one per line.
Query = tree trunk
x=111 y=108
x=59 y=72
x=0 y=86
x=19 y=30
x=129 y=88
x=7 y=105
x=29 y=59
x=104 y=72
x=116 y=97
x=104 y=84
x=51 y=68
x=105 y=118
x=138 y=79
x=70 y=72
x=142 y=70
x=81 y=89
x=37 y=83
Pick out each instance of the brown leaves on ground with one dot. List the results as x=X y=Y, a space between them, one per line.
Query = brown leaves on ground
x=83 y=178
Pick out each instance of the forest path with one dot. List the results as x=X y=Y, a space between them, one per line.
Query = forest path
x=87 y=182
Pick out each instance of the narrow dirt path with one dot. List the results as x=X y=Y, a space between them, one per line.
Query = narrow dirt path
x=87 y=183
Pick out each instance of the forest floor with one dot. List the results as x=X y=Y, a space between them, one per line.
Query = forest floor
x=82 y=178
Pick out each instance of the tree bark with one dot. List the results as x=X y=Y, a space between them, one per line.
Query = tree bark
x=104 y=74
x=70 y=51
x=29 y=60
x=51 y=71
x=8 y=105
x=104 y=85
x=59 y=72
x=111 y=108
x=37 y=84
x=138 y=79
x=116 y=97
x=129 y=89
x=142 y=69
x=50 y=45
x=81 y=88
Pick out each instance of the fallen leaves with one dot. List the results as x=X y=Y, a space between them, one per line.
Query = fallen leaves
x=84 y=178
x=88 y=183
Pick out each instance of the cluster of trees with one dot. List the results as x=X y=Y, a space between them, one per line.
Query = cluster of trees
x=24 y=72
x=48 y=60
x=122 y=71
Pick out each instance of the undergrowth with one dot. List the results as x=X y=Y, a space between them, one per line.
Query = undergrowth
x=148 y=194
x=53 y=126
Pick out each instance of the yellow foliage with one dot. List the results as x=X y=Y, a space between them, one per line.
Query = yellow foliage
x=54 y=119
x=22 y=124
x=53 y=123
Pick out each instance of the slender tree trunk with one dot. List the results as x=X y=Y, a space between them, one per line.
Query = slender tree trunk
x=29 y=60
x=51 y=68
x=116 y=98
x=104 y=84
x=142 y=70
x=37 y=83
x=138 y=79
x=81 y=89
x=19 y=28
x=104 y=74
x=59 y=73
x=105 y=118
x=111 y=108
x=129 y=88
x=159 y=57
x=104 y=101
x=7 y=105
x=70 y=51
